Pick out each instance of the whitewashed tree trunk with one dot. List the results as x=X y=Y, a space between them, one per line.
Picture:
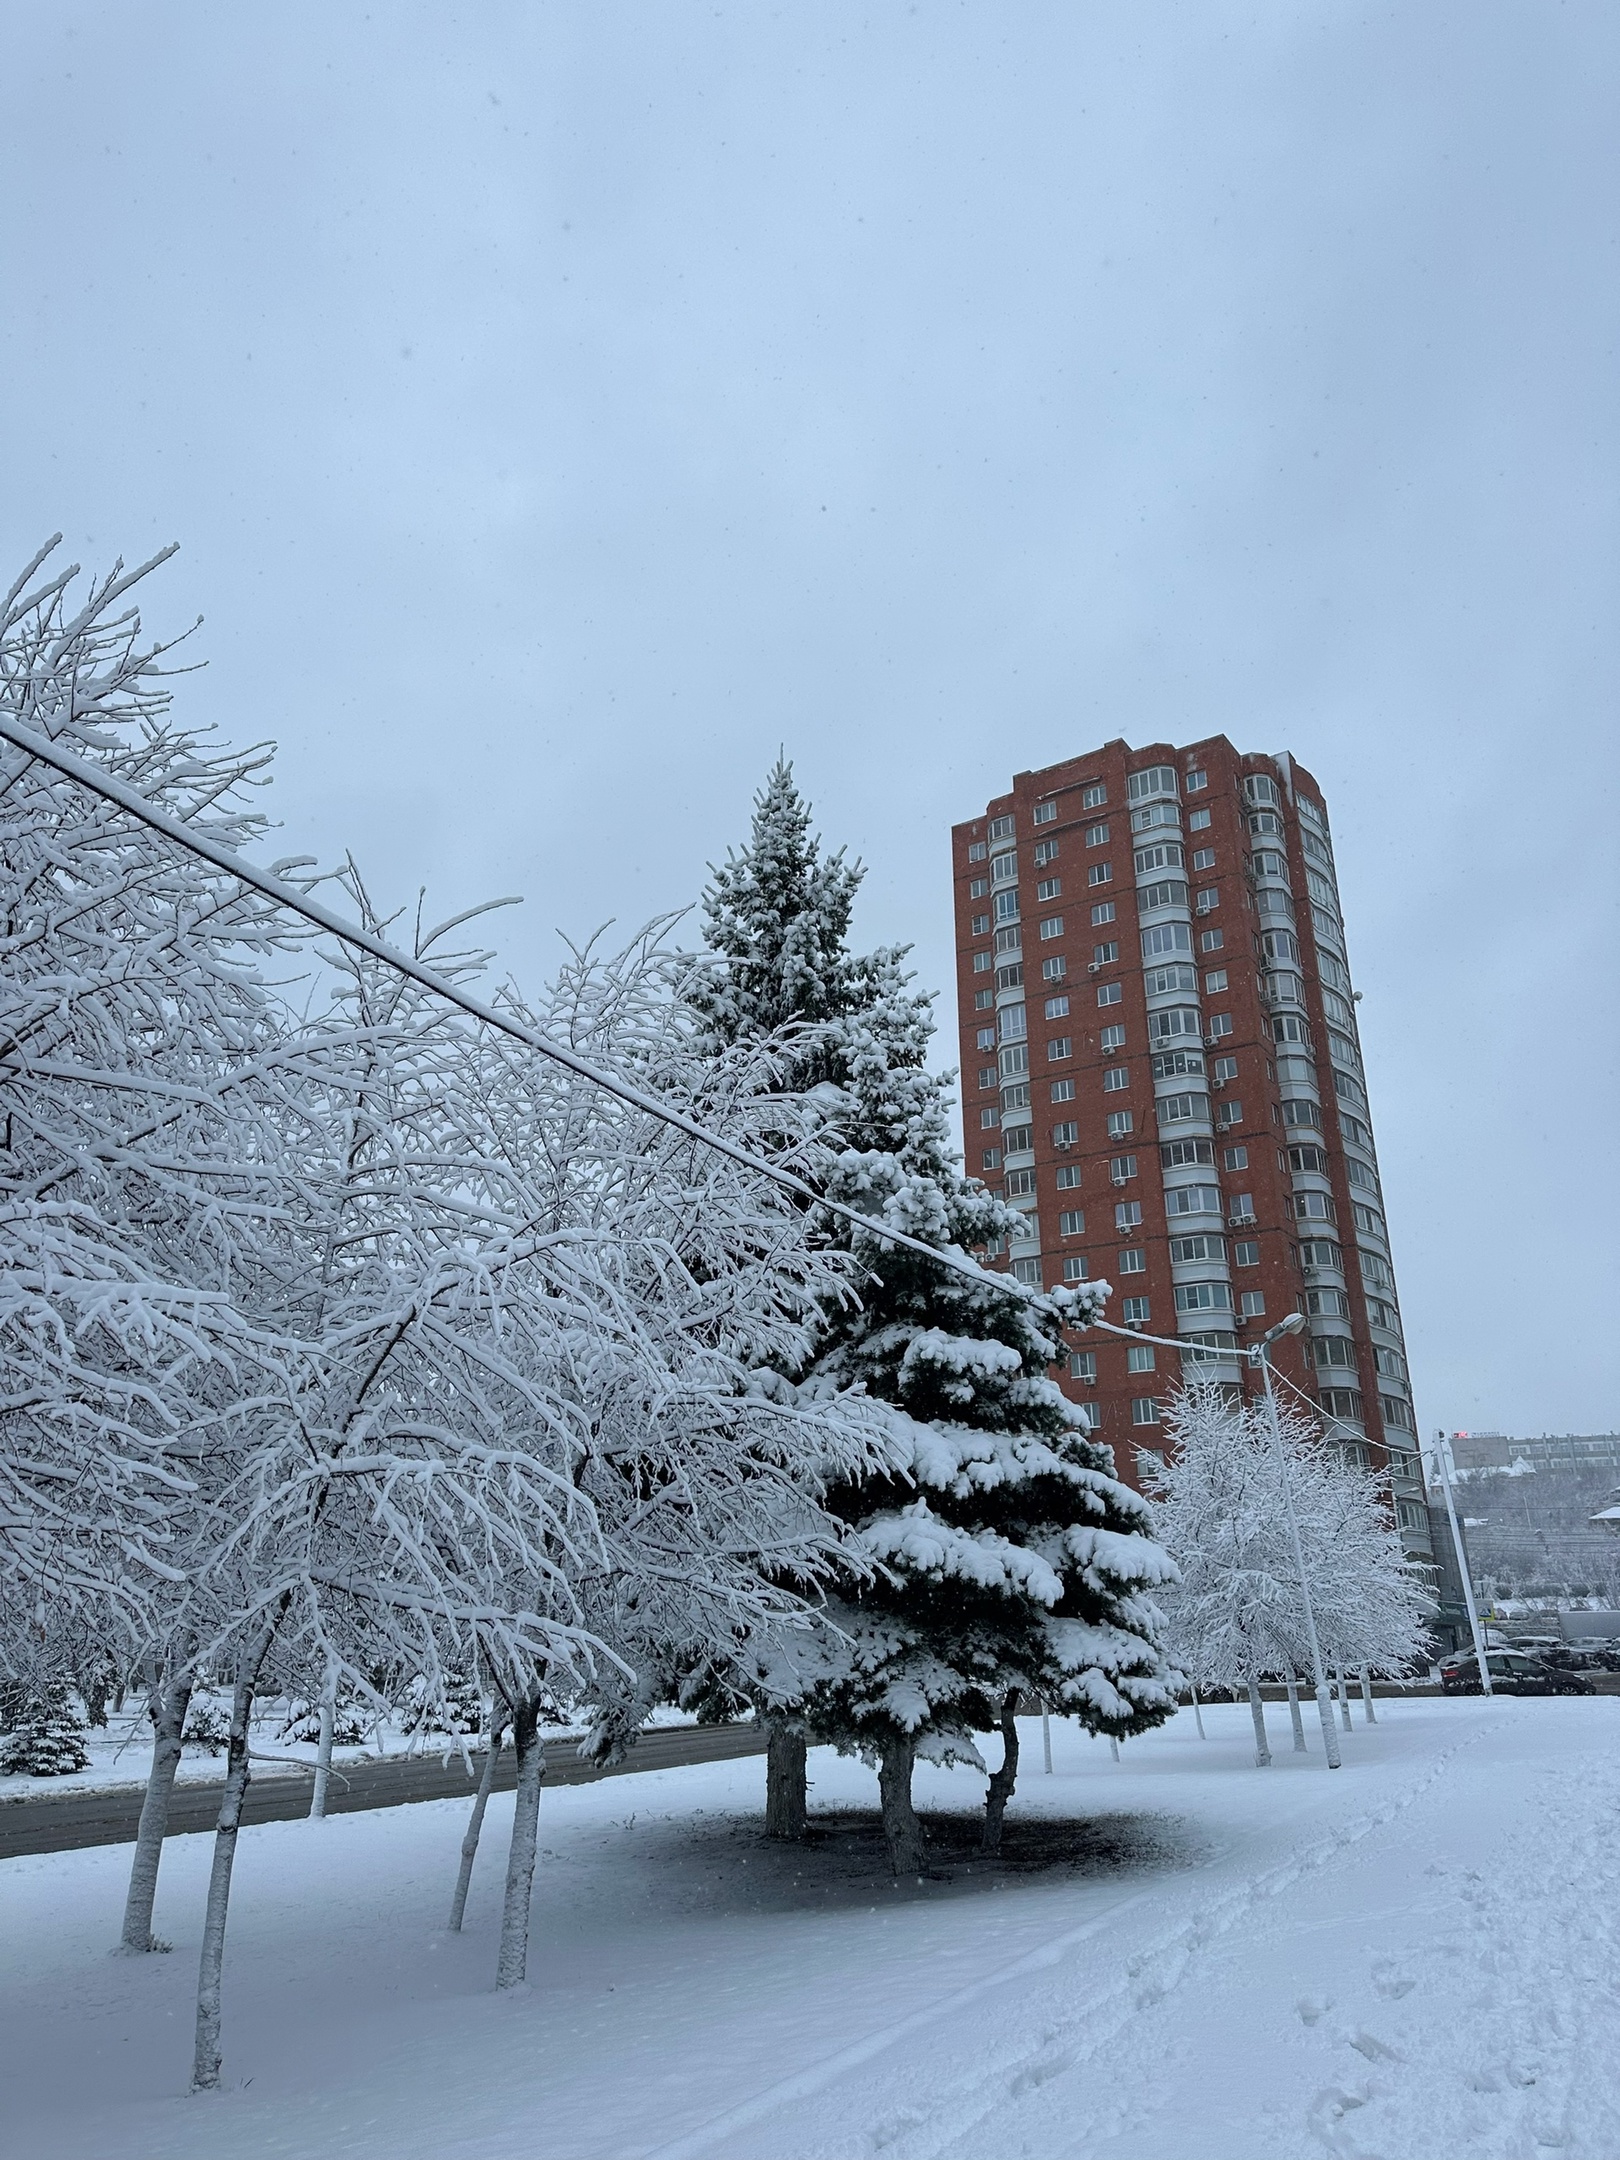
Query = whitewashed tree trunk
x=1000 y=1789
x=1198 y=1716
x=169 y=1705
x=1296 y=1716
x=1367 y=1696
x=512 y=1965
x=1257 y=1710
x=205 y=2066
x=1344 y=1696
x=901 y=1829
x=323 y=1749
x=469 y=1844
x=787 y=1807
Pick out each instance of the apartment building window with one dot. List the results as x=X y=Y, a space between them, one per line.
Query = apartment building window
x=1327 y=1304
x=1045 y=851
x=1321 y=1253
x=1235 y=1158
x=1115 y=1078
x=1246 y=1252
x=1193 y=1200
x=1083 y=1366
x=1045 y=812
x=1135 y=1312
x=1144 y=1410
x=982 y=962
x=1097 y=835
x=1110 y=994
x=1003 y=869
x=1068 y=1177
x=1176 y=1154
x=1141 y=1357
x=1001 y=828
x=1333 y=1352
x=977 y=851
x=1063 y=1091
x=1252 y=1304
x=1014 y=1060
x=1027 y=1271
x=988 y=1076
x=1300 y=1110
x=1397 y=1413
x=1074 y=1268
x=1100 y=873
x=1018 y=1139
x=1229 y=1114
x=1197 y=1297
x=988 y=1118
x=1103 y=912
x=1220 y=1025
x=1157 y=814
x=1260 y=790
x=1312 y=1207
x=992 y=1158
x=1094 y=796
x=1170 y=937
x=1111 y=1039
x=980 y=926
x=1121 y=1124
x=1018 y=1184
x=1132 y=1260
x=1122 y=1168
x=1066 y=1134
x=1209 y=1246
x=1055 y=969
x=1343 y=1402
x=1014 y=1023
x=1223 y=1070
x=984 y=999
x=1211 y=941
x=1127 y=1214
x=1052 y=927
x=1184 y=1110
x=1199 y=821
x=1367 y=1220
x=978 y=888
x=1312 y=812
x=987 y=1038
x=1153 y=780
x=1072 y=1223
x=1007 y=906
x=1049 y=889
x=1168 y=892
x=1015 y=1098
x=1057 y=1008
x=1166 y=856
x=1208 y=900
x=1058 y=1048
x=1104 y=955
x=1161 y=981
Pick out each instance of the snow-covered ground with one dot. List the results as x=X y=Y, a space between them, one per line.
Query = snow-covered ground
x=1416 y=1957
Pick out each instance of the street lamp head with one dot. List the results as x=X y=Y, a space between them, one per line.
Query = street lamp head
x=1291 y=1326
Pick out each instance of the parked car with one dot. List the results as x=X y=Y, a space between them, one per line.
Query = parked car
x=1513 y=1672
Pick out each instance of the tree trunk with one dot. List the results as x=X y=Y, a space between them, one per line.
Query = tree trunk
x=323 y=1750
x=210 y=1972
x=1367 y=1696
x=469 y=1844
x=1198 y=1716
x=169 y=1707
x=1344 y=1696
x=1257 y=1710
x=901 y=1828
x=512 y=1966
x=1296 y=1716
x=787 y=1808
x=1002 y=1781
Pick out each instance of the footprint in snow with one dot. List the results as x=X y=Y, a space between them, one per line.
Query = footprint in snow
x=1313 y=2007
x=1391 y=1982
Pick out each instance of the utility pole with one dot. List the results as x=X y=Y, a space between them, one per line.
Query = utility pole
x=1442 y=1457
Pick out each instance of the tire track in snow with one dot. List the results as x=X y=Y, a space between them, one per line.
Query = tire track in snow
x=916 y=2134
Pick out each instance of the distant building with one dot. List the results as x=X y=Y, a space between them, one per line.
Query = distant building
x=1161 y=1071
x=1537 y=1513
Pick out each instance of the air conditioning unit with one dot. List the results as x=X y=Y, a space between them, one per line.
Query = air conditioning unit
x=1094 y=967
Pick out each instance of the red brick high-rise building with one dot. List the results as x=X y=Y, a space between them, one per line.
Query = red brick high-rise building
x=1161 y=1070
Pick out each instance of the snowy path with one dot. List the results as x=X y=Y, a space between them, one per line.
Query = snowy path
x=1415 y=1957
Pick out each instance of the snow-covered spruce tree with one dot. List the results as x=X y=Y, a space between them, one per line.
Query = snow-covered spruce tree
x=48 y=1739
x=1005 y=1556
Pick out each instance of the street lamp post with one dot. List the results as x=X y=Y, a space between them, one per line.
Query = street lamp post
x=1259 y=1355
x=1442 y=1458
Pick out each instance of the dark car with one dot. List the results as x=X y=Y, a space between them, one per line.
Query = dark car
x=1513 y=1672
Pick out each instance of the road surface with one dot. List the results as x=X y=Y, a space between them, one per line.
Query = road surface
x=108 y=1815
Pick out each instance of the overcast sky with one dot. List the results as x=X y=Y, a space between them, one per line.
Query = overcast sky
x=562 y=406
